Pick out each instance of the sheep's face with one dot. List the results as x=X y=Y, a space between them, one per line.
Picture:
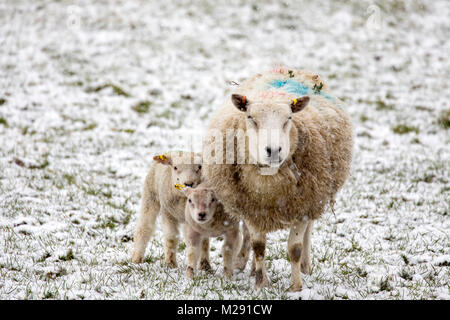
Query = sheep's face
x=183 y=171
x=186 y=174
x=202 y=204
x=268 y=127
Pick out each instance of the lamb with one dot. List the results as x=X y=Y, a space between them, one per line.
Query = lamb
x=205 y=218
x=161 y=195
x=287 y=180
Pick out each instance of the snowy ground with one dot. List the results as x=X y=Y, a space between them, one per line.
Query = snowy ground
x=90 y=91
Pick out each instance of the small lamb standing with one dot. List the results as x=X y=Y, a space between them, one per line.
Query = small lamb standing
x=206 y=218
x=287 y=180
x=161 y=195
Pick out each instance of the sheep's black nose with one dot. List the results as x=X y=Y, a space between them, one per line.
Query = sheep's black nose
x=189 y=184
x=273 y=151
x=202 y=215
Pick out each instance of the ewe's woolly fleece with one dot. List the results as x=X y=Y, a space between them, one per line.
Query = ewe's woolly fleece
x=318 y=165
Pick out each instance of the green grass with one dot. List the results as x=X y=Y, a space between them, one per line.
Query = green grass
x=142 y=107
x=382 y=106
x=363 y=118
x=444 y=119
x=68 y=256
x=404 y=129
x=116 y=89
x=4 y=122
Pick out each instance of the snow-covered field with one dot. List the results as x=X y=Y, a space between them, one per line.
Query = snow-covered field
x=91 y=90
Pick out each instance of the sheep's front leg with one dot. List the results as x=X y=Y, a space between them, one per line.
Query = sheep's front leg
x=170 y=230
x=305 y=260
x=229 y=249
x=295 y=247
x=194 y=240
x=258 y=240
x=204 y=255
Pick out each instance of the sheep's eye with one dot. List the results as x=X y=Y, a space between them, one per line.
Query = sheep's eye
x=175 y=168
x=190 y=201
x=212 y=200
x=199 y=167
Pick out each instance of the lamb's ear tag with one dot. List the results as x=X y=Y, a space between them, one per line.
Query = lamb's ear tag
x=162 y=159
x=294 y=101
x=179 y=186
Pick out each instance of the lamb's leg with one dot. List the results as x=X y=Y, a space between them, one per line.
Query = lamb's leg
x=305 y=260
x=204 y=255
x=194 y=240
x=253 y=267
x=244 y=252
x=145 y=228
x=258 y=240
x=229 y=249
x=170 y=230
x=295 y=247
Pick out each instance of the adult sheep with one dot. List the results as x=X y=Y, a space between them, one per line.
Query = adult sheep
x=298 y=150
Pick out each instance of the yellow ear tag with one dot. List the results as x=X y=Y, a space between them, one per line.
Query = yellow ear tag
x=180 y=186
x=295 y=101
x=163 y=157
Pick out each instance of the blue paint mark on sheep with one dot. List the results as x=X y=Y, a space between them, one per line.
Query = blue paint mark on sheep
x=296 y=88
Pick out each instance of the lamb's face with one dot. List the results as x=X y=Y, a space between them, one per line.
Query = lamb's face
x=202 y=203
x=183 y=171
x=186 y=174
x=268 y=127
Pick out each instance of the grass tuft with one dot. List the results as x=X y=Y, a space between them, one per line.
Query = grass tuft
x=444 y=119
x=68 y=256
x=142 y=107
x=404 y=129
x=116 y=89
x=381 y=105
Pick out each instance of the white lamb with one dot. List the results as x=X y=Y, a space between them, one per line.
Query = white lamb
x=161 y=195
x=205 y=218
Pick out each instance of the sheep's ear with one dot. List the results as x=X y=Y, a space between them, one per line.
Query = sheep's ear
x=163 y=159
x=299 y=104
x=240 y=102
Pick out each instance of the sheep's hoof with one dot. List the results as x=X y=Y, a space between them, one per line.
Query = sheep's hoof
x=190 y=272
x=137 y=258
x=241 y=264
x=262 y=284
x=296 y=288
x=260 y=280
x=228 y=273
x=306 y=268
x=171 y=264
x=204 y=265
